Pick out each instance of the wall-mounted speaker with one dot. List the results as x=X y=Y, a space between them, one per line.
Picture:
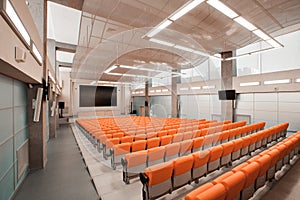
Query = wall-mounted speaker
x=20 y=54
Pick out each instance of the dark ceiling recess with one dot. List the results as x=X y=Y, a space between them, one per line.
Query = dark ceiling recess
x=76 y=4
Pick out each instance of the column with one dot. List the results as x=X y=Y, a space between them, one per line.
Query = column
x=174 y=97
x=37 y=130
x=147 y=99
x=228 y=70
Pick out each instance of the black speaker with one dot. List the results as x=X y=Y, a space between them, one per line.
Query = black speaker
x=226 y=94
x=61 y=105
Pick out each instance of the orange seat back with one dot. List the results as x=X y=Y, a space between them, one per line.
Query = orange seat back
x=121 y=149
x=136 y=158
x=215 y=153
x=153 y=142
x=172 y=149
x=182 y=165
x=159 y=173
x=227 y=148
x=165 y=140
x=138 y=145
x=156 y=153
x=200 y=158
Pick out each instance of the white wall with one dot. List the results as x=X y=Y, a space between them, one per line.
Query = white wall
x=274 y=108
x=66 y=93
x=286 y=58
x=200 y=106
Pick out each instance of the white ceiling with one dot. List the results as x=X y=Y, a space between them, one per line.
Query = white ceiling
x=112 y=31
x=63 y=23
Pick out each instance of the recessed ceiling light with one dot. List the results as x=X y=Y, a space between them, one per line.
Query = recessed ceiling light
x=161 y=42
x=277 y=82
x=245 y=23
x=164 y=24
x=222 y=8
x=249 y=84
x=185 y=9
x=261 y=34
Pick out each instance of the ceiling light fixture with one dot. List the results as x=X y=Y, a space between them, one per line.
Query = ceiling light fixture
x=127 y=67
x=12 y=14
x=261 y=34
x=111 y=69
x=185 y=9
x=277 y=82
x=195 y=88
x=164 y=24
x=297 y=80
x=207 y=87
x=245 y=23
x=184 y=48
x=222 y=8
x=273 y=43
x=161 y=42
x=249 y=84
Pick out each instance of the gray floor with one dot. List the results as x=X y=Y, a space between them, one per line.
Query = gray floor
x=287 y=187
x=65 y=176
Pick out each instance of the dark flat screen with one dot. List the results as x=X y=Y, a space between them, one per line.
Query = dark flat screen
x=226 y=94
x=97 y=96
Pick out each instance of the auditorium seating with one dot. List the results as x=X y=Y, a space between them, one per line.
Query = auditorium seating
x=242 y=181
x=200 y=163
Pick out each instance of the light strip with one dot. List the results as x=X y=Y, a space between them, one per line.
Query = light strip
x=222 y=8
x=207 y=87
x=184 y=89
x=152 y=91
x=297 y=80
x=164 y=90
x=161 y=42
x=277 y=82
x=127 y=67
x=195 y=88
x=185 y=9
x=10 y=11
x=110 y=69
x=158 y=91
x=273 y=43
x=249 y=84
x=37 y=53
x=115 y=74
x=164 y=24
x=245 y=23
x=184 y=48
x=261 y=34
x=65 y=69
x=253 y=53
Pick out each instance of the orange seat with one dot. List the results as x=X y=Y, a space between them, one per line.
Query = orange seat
x=172 y=131
x=127 y=139
x=192 y=195
x=165 y=140
x=172 y=151
x=188 y=135
x=200 y=164
x=264 y=162
x=217 y=192
x=177 y=137
x=227 y=150
x=185 y=147
x=133 y=164
x=236 y=151
x=138 y=145
x=153 y=142
x=197 y=144
x=155 y=156
x=162 y=133
x=251 y=171
x=118 y=135
x=140 y=137
x=118 y=151
x=220 y=178
x=182 y=170
x=214 y=158
x=157 y=180
x=234 y=185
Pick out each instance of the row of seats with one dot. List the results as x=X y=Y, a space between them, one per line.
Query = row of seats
x=196 y=143
x=163 y=178
x=165 y=137
x=99 y=136
x=242 y=181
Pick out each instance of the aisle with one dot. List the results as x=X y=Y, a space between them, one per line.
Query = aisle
x=65 y=176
